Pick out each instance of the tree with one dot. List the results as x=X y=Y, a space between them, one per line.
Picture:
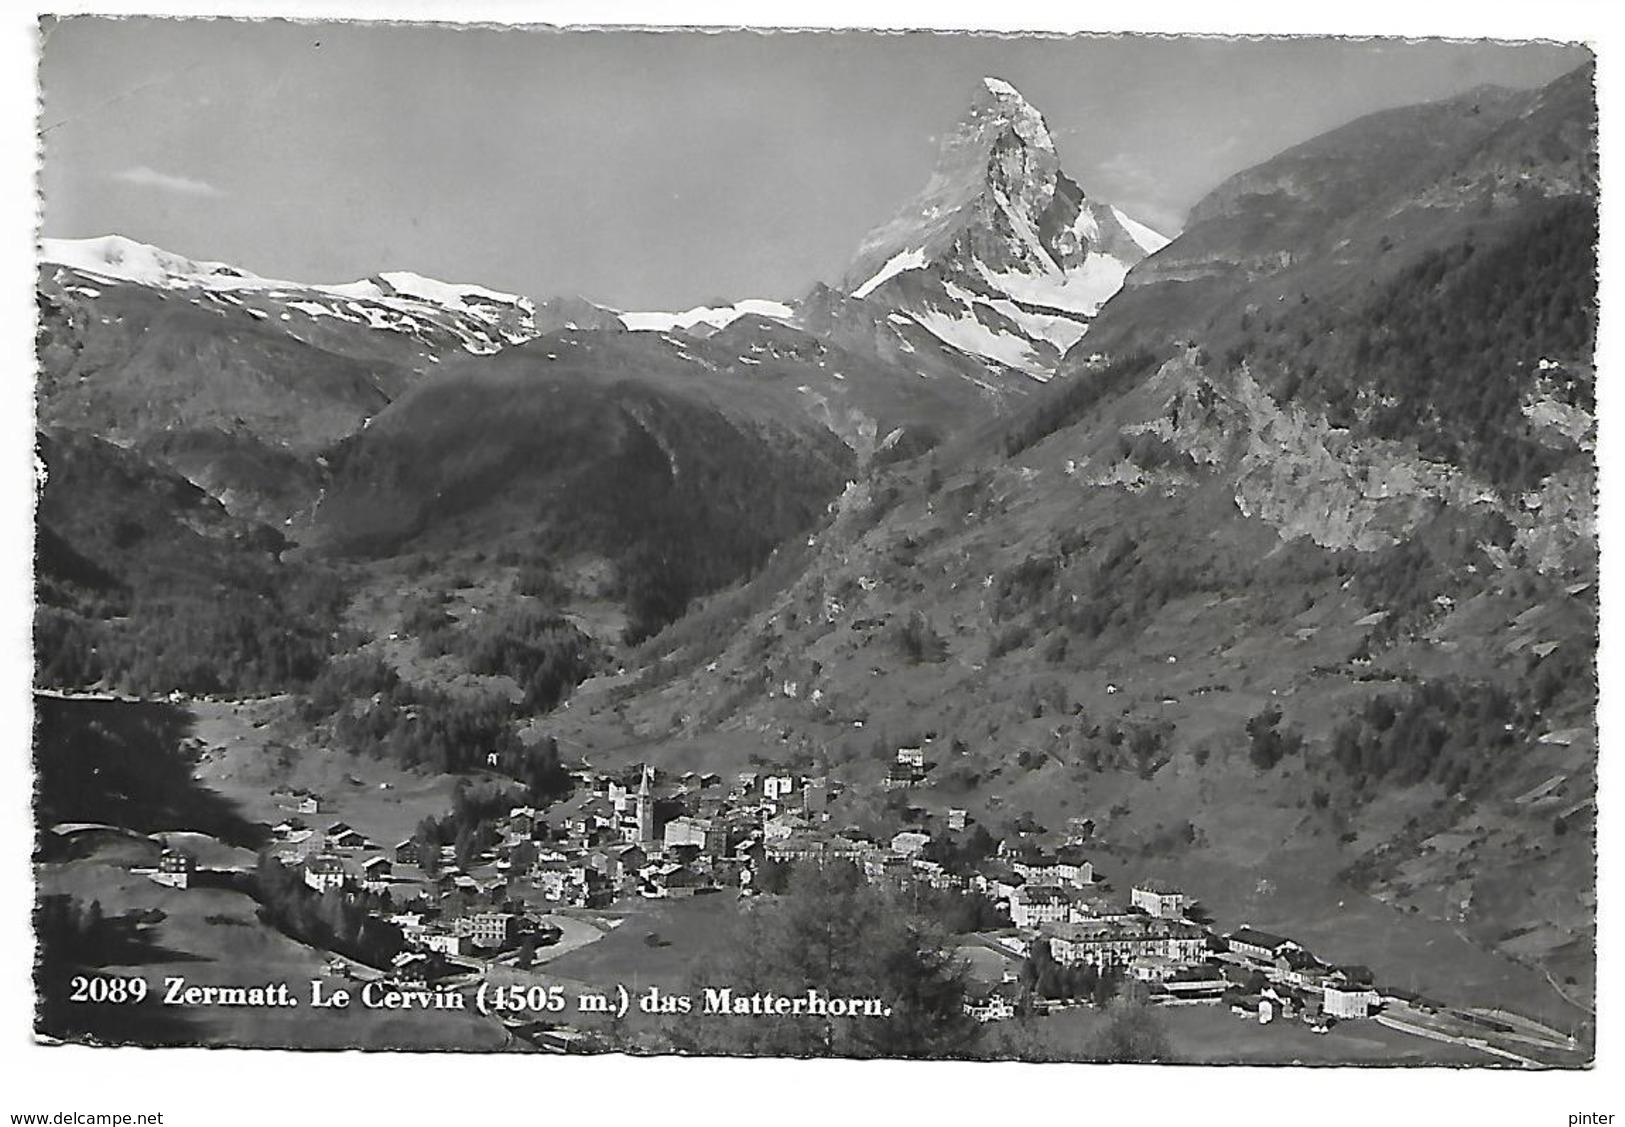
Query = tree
x=1133 y=1032
x=834 y=934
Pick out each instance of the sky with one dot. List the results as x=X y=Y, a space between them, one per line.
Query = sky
x=647 y=169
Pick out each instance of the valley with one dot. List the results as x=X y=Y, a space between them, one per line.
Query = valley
x=1114 y=603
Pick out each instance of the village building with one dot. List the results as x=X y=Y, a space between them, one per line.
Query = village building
x=489 y=930
x=781 y=826
x=900 y=776
x=907 y=843
x=176 y=868
x=1259 y=946
x=1348 y=1001
x=889 y=870
x=522 y=820
x=628 y=861
x=300 y=844
x=1121 y=942
x=814 y=848
x=1072 y=868
x=1297 y=967
x=1158 y=898
x=698 y=832
x=990 y=1003
x=1033 y=905
x=375 y=873
x=448 y=944
x=324 y=873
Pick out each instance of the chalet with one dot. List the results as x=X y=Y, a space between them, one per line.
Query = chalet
x=308 y=804
x=349 y=839
x=675 y=881
x=1158 y=898
x=775 y=787
x=521 y=820
x=324 y=873
x=957 y=819
x=1297 y=967
x=375 y=873
x=406 y=852
x=628 y=860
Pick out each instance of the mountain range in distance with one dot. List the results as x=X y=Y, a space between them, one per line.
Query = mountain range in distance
x=1272 y=546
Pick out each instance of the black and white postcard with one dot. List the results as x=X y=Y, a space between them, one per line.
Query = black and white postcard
x=1064 y=548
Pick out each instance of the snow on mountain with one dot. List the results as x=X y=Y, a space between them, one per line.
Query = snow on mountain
x=1152 y=241
x=125 y=260
x=1002 y=254
x=896 y=264
x=713 y=316
x=477 y=319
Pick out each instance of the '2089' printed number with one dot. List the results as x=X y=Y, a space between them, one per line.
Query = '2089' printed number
x=115 y=991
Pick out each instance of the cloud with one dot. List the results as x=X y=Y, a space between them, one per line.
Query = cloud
x=145 y=177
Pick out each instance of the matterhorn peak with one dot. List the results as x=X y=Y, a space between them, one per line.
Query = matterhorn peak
x=1009 y=108
x=1002 y=254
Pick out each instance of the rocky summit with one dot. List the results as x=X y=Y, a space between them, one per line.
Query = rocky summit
x=1002 y=254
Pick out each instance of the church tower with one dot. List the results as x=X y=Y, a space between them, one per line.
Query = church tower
x=645 y=809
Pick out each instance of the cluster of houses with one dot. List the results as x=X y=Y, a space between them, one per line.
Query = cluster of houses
x=1177 y=961
x=644 y=833
x=1271 y=977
